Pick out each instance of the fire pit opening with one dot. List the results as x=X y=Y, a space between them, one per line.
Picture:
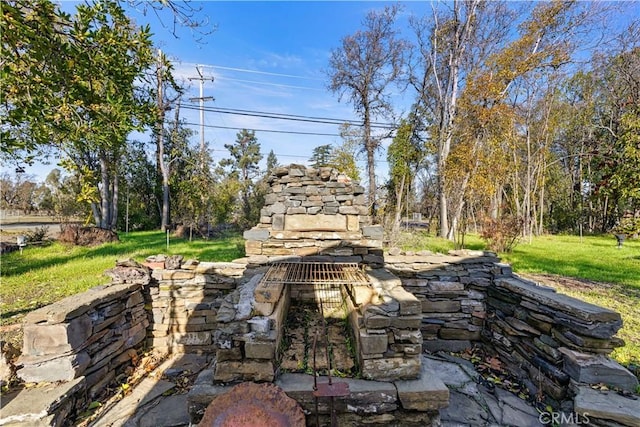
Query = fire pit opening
x=317 y=334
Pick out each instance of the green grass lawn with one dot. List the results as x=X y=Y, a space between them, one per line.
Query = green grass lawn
x=43 y=275
x=593 y=258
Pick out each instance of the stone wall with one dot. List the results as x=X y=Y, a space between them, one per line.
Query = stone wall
x=419 y=301
x=550 y=340
x=452 y=291
x=555 y=340
x=185 y=301
x=93 y=334
x=386 y=322
x=319 y=214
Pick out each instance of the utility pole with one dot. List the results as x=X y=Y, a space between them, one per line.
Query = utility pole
x=201 y=98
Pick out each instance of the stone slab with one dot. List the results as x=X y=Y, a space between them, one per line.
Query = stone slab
x=147 y=391
x=318 y=222
x=63 y=368
x=426 y=393
x=596 y=368
x=364 y=396
x=607 y=406
x=451 y=374
x=381 y=278
x=32 y=406
x=76 y=305
x=577 y=308
x=171 y=411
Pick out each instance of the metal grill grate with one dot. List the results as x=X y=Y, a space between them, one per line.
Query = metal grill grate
x=312 y=273
x=323 y=283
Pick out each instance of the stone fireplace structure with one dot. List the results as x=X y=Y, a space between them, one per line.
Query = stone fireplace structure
x=319 y=214
x=316 y=240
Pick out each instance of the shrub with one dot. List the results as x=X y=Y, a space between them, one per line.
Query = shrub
x=628 y=225
x=38 y=234
x=501 y=234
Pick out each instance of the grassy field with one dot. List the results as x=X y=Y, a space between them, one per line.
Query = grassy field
x=42 y=275
x=591 y=269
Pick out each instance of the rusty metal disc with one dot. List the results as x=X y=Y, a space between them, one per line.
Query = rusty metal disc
x=253 y=405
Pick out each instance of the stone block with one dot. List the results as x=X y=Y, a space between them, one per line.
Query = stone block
x=259 y=350
x=374 y=321
x=459 y=334
x=41 y=339
x=193 y=338
x=264 y=308
x=608 y=406
x=277 y=222
x=409 y=304
x=596 y=368
x=259 y=234
x=454 y=346
x=375 y=232
x=269 y=293
x=391 y=368
x=365 y=397
x=447 y=306
x=381 y=278
x=253 y=247
x=426 y=393
x=319 y=222
x=348 y=210
x=224 y=354
x=63 y=368
x=445 y=287
x=353 y=223
x=248 y=370
x=406 y=322
x=373 y=343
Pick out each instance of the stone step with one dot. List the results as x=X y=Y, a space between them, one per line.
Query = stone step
x=39 y=406
x=595 y=404
x=596 y=368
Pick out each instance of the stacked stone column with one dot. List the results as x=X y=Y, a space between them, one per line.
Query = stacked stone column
x=319 y=214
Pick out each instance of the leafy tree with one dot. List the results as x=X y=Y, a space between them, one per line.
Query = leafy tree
x=60 y=196
x=272 y=162
x=321 y=156
x=346 y=154
x=363 y=68
x=18 y=194
x=404 y=155
x=71 y=85
x=139 y=204
x=243 y=165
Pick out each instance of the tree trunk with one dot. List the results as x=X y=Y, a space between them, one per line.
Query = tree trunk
x=105 y=208
x=114 y=204
x=398 y=216
x=370 y=148
x=164 y=166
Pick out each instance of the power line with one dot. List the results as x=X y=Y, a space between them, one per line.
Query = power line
x=264 y=130
x=292 y=117
x=246 y=70
x=269 y=84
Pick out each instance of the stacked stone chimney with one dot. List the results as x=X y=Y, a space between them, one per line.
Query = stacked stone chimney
x=319 y=214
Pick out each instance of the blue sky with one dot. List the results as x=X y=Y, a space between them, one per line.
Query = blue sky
x=270 y=57
x=263 y=56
